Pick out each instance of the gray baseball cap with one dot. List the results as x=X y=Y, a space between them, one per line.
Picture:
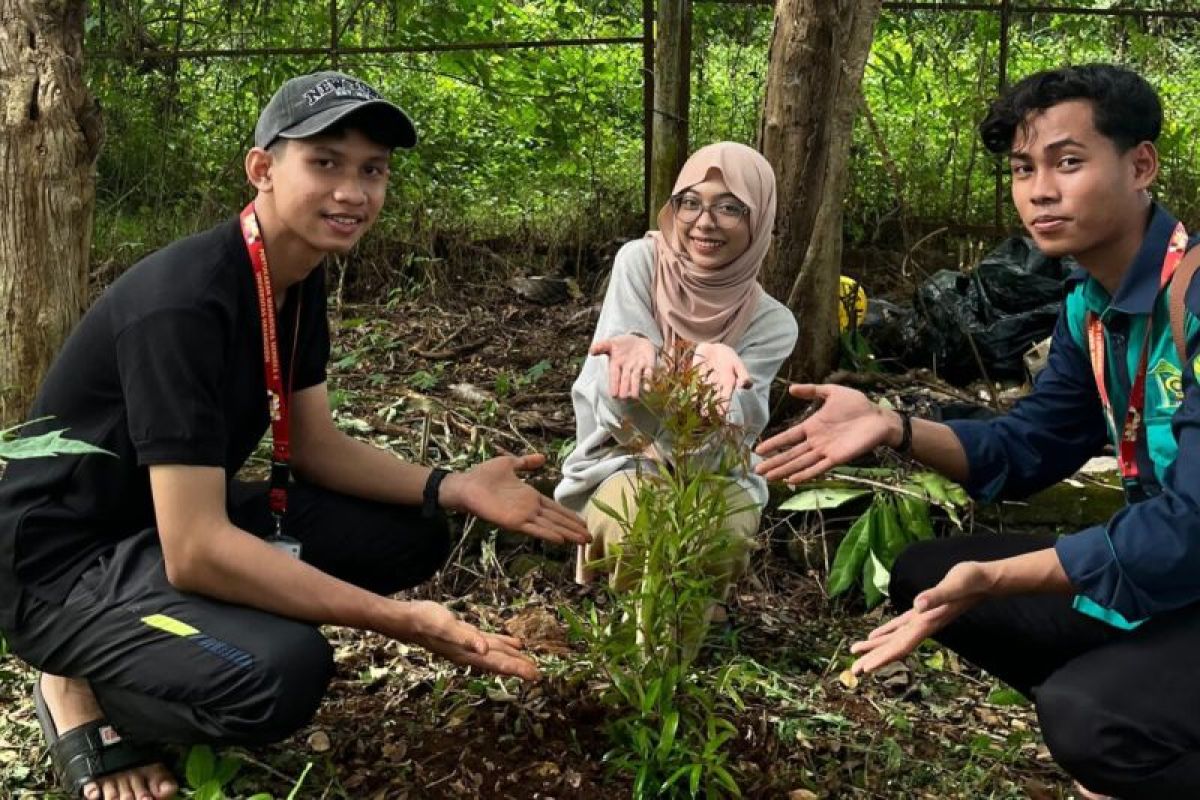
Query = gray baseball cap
x=310 y=104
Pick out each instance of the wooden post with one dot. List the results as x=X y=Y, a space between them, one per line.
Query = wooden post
x=647 y=105
x=672 y=94
x=334 y=35
x=1002 y=85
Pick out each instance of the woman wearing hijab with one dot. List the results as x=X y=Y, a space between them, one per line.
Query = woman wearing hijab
x=694 y=280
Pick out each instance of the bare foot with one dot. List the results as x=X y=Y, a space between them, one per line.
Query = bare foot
x=71 y=704
x=1084 y=794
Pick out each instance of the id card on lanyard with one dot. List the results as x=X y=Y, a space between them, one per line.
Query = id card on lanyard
x=278 y=401
x=1130 y=433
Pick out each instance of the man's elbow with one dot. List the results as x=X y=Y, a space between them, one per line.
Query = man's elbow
x=183 y=563
x=307 y=456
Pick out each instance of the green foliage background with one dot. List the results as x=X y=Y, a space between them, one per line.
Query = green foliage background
x=545 y=145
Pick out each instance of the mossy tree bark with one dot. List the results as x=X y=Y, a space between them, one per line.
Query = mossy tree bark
x=818 y=53
x=49 y=139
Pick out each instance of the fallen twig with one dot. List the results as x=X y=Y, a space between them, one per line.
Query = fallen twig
x=451 y=353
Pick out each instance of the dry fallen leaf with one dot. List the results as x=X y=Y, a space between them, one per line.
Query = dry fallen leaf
x=540 y=630
x=470 y=394
x=319 y=742
x=395 y=752
x=500 y=695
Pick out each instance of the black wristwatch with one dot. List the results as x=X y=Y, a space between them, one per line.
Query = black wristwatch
x=905 y=445
x=429 y=497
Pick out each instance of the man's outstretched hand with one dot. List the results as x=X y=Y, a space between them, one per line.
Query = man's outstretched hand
x=846 y=425
x=438 y=630
x=493 y=491
x=965 y=585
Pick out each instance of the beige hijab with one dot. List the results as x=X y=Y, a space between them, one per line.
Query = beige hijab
x=714 y=305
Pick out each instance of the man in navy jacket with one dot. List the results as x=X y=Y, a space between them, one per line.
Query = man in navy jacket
x=1101 y=627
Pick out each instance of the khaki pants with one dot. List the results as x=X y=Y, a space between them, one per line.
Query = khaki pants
x=619 y=492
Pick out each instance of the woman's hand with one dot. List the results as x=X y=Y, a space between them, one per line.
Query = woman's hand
x=723 y=369
x=631 y=362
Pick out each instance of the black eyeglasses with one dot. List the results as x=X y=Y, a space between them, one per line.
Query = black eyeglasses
x=725 y=213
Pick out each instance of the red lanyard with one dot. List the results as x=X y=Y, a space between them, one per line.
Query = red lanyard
x=277 y=400
x=1127 y=446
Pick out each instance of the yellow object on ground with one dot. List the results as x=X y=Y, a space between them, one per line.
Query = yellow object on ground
x=852 y=300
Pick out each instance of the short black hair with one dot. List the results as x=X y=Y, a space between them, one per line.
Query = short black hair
x=1126 y=108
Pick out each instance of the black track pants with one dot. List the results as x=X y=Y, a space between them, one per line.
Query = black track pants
x=179 y=668
x=1119 y=710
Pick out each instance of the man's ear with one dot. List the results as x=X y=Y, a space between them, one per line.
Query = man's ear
x=258 y=168
x=1144 y=160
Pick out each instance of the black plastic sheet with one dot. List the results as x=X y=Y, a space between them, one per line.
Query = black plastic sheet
x=966 y=325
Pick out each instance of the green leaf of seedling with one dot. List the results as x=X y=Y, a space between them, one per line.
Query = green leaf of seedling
x=851 y=553
x=931 y=484
x=942 y=491
x=639 y=783
x=642 y=738
x=875 y=580
x=892 y=537
x=609 y=510
x=865 y=472
x=260 y=796
x=47 y=444
x=675 y=777
x=227 y=770
x=666 y=739
x=725 y=779
x=1004 y=696
x=914 y=517
x=821 y=498
x=201 y=766
x=651 y=696
x=211 y=790
x=534 y=373
x=295 y=792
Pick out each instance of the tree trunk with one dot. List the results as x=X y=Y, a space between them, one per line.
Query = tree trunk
x=818 y=53
x=672 y=95
x=49 y=138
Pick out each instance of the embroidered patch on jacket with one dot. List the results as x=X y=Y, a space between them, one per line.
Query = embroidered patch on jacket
x=1170 y=383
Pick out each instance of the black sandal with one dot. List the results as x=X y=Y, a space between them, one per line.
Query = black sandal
x=89 y=752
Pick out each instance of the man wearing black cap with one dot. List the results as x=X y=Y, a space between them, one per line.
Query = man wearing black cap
x=166 y=602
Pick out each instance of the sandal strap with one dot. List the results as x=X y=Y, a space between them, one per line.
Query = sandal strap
x=82 y=755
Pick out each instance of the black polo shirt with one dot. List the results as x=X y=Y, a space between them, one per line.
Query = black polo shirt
x=165 y=368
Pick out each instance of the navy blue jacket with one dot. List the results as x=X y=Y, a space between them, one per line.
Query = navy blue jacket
x=1146 y=559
